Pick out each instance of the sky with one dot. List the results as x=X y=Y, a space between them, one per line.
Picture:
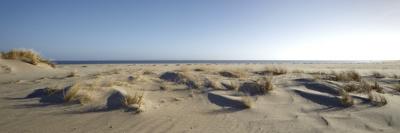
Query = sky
x=203 y=29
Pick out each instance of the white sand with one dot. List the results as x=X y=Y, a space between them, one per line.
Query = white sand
x=292 y=106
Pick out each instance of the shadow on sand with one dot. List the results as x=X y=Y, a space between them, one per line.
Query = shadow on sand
x=227 y=103
x=312 y=85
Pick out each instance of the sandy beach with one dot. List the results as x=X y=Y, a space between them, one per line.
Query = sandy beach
x=207 y=100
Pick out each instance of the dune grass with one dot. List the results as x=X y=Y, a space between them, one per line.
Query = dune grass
x=377 y=99
x=26 y=55
x=346 y=99
x=276 y=70
x=137 y=99
x=266 y=84
x=378 y=75
x=346 y=76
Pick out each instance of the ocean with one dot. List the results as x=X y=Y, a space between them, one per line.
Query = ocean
x=211 y=62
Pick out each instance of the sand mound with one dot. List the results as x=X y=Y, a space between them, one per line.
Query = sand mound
x=116 y=100
x=251 y=88
x=50 y=96
x=172 y=77
x=13 y=70
x=226 y=101
x=228 y=74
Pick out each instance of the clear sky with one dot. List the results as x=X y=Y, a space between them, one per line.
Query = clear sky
x=203 y=29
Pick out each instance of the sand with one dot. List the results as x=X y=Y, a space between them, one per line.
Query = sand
x=297 y=104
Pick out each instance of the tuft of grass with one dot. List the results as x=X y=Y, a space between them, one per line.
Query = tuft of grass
x=208 y=83
x=395 y=76
x=378 y=75
x=346 y=76
x=163 y=87
x=361 y=87
x=346 y=99
x=73 y=94
x=231 y=85
x=273 y=70
x=266 y=85
x=377 y=99
x=73 y=74
x=137 y=99
x=377 y=87
x=297 y=71
x=26 y=55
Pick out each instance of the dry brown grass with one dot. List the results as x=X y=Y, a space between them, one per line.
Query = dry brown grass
x=276 y=70
x=26 y=55
x=137 y=99
x=266 y=84
x=378 y=75
x=346 y=99
x=73 y=74
x=209 y=83
x=78 y=93
x=377 y=87
x=298 y=71
x=377 y=99
x=362 y=87
x=346 y=76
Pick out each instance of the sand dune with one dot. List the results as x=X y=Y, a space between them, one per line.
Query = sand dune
x=299 y=102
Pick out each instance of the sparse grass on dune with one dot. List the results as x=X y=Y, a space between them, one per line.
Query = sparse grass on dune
x=266 y=84
x=273 y=70
x=362 y=87
x=26 y=55
x=378 y=75
x=210 y=83
x=377 y=99
x=346 y=76
x=234 y=73
x=137 y=99
x=346 y=99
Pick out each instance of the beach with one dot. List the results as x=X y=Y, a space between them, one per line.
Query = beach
x=206 y=98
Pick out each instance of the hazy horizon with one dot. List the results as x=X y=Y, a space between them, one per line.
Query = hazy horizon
x=203 y=30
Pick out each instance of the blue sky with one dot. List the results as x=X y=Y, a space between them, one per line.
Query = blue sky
x=203 y=29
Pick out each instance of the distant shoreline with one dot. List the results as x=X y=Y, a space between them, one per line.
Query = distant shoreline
x=66 y=62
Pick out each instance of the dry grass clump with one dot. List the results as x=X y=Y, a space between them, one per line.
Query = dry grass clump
x=377 y=75
x=163 y=87
x=266 y=85
x=362 y=87
x=208 y=83
x=377 y=87
x=377 y=99
x=73 y=74
x=276 y=70
x=297 y=71
x=273 y=71
x=231 y=85
x=346 y=76
x=395 y=76
x=346 y=99
x=136 y=99
x=78 y=93
x=26 y=55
